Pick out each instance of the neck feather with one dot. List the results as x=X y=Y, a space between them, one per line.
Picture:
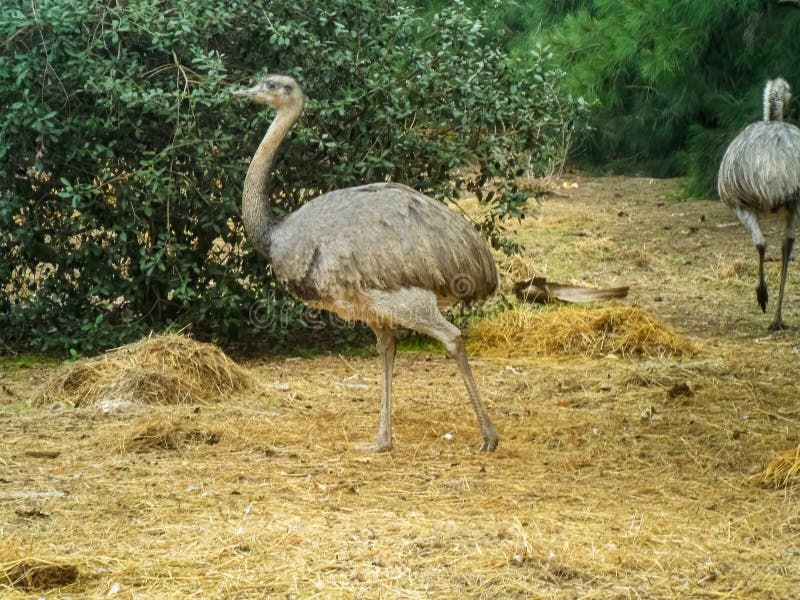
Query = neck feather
x=257 y=215
x=773 y=111
x=773 y=104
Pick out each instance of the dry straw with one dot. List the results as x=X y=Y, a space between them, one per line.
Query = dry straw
x=31 y=573
x=160 y=369
x=38 y=575
x=613 y=329
x=782 y=471
x=168 y=432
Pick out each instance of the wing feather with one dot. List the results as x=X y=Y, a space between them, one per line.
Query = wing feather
x=761 y=167
x=384 y=237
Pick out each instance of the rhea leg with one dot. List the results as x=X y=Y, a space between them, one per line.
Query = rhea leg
x=786 y=253
x=762 y=296
x=455 y=345
x=750 y=221
x=387 y=342
x=417 y=309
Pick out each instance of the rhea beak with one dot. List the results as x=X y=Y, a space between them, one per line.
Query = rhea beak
x=253 y=91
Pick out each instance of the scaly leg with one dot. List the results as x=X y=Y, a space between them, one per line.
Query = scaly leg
x=749 y=219
x=487 y=429
x=786 y=253
x=417 y=309
x=387 y=342
x=762 y=296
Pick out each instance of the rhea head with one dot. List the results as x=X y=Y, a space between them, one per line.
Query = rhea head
x=276 y=90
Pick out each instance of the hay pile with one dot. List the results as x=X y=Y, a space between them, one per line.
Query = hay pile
x=782 y=471
x=37 y=575
x=621 y=330
x=28 y=573
x=160 y=369
x=167 y=432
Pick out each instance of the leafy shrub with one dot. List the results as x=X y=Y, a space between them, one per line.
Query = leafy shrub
x=122 y=152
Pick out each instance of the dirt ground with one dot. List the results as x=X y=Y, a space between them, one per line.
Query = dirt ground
x=614 y=478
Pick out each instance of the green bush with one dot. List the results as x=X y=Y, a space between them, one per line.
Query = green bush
x=122 y=152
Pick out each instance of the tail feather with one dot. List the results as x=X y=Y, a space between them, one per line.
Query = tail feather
x=538 y=289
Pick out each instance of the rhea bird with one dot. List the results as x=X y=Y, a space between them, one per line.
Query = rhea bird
x=382 y=253
x=760 y=174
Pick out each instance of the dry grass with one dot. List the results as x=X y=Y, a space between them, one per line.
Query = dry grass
x=617 y=329
x=38 y=575
x=605 y=485
x=31 y=573
x=161 y=369
x=736 y=269
x=614 y=479
x=167 y=432
x=538 y=186
x=782 y=471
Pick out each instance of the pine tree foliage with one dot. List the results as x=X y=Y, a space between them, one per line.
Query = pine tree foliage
x=675 y=81
x=672 y=82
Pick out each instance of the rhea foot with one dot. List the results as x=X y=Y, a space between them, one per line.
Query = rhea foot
x=489 y=444
x=762 y=296
x=379 y=447
x=777 y=325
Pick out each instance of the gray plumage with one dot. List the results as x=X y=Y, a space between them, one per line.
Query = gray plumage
x=760 y=173
x=381 y=253
x=381 y=236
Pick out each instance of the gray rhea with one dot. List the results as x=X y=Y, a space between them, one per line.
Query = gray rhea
x=381 y=253
x=760 y=174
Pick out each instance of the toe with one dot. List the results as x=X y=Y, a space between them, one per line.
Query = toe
x=375 y=448
x=489 y=445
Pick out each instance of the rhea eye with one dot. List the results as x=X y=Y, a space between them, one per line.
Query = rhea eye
x=289 y=89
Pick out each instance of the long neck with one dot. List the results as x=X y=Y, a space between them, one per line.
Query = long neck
x=256 y=212
x=773 y=105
